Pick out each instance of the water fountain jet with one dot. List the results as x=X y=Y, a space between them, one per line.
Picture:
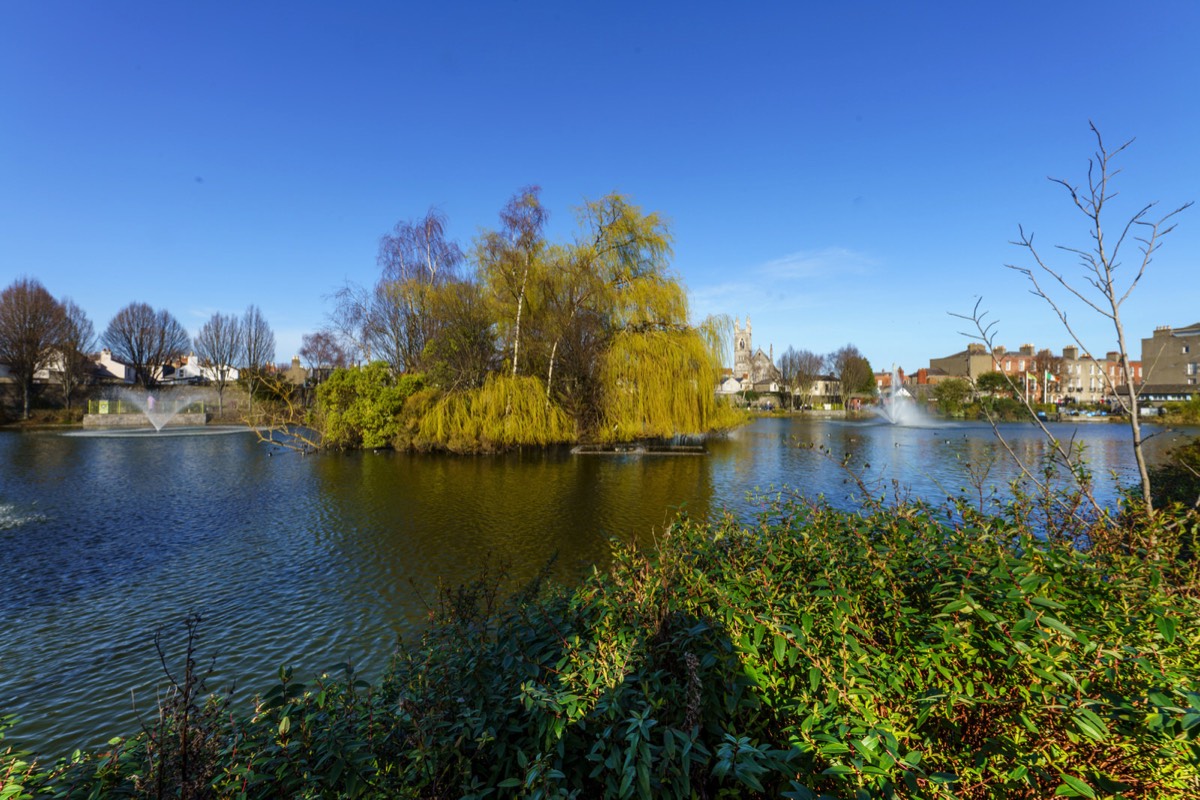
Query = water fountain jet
x=159 y=407
x=897 y=406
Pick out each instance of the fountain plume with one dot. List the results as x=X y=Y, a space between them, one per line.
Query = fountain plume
x=159 y=407
x=896 y=406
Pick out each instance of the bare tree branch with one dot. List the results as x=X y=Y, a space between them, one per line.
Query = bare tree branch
x=1100 y=265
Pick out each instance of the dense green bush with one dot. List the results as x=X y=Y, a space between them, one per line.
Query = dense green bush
x=361 y=406
x=1185 y=413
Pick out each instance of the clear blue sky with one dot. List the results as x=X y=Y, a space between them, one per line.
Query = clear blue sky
x=841 y=172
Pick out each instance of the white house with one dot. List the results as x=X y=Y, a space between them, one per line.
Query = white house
x=191 y=368
x=111 y=370
x=729 y=385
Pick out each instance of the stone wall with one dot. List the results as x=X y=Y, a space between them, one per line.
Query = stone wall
x=105 y=421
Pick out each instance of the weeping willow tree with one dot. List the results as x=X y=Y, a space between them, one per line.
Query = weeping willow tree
x=505 y=412
x=659 y=384
x=658 y=372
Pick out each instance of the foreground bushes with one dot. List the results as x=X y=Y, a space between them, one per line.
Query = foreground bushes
x=816 y=654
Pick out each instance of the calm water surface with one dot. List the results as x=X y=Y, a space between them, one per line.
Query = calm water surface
x=311 y=561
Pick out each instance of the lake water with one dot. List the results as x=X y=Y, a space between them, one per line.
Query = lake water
x=315 y=560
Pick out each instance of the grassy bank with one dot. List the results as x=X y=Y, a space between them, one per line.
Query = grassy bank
x=813 y=654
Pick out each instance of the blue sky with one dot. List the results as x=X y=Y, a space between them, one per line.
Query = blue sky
x=844 y=172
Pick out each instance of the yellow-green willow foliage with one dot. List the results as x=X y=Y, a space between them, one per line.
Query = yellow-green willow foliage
x=504 y=412
x=628 y=252
x=658 y=372
x=659 y=384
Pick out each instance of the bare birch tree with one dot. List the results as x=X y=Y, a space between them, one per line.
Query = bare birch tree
x=351 y=321
x=414 y=258
x=1102 y=286
x=510 y=256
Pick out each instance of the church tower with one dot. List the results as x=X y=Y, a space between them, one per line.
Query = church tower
x=742 y=349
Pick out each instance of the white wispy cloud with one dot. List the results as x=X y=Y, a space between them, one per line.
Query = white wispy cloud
x=826 y=262
x=799 y=298
x=201 y=314
x=794 y=282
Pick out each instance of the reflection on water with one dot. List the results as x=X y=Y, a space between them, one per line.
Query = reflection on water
x=314 y=560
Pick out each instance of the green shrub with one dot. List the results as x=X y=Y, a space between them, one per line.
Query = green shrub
x=362 y=406
x=1185 y=413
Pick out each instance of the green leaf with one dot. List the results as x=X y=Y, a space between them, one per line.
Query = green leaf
x=1052 y=623
x=799 y=792
x=1091 y=724
x=626 y=787
x=1073 y=787
x=1166 y=626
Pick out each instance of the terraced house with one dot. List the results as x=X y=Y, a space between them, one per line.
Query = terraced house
x=1171 y=363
